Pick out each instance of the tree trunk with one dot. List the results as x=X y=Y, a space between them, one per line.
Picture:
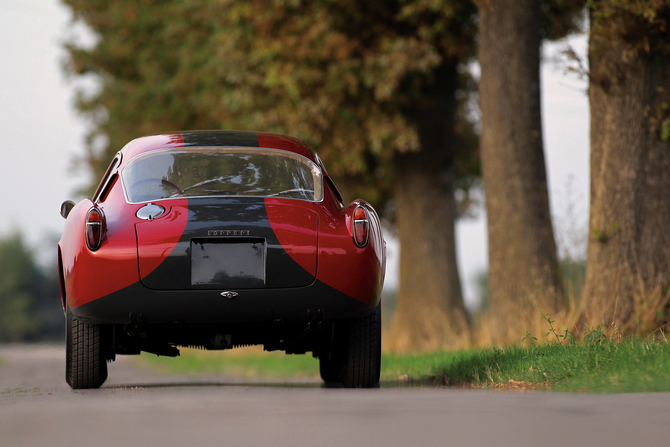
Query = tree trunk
x=628 y=260
x=430 y=314
x=523 y=266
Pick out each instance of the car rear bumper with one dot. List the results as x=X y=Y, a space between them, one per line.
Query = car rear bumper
x=316 y=301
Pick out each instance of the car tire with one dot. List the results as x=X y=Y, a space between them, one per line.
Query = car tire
x=85 y=362
x=361 y=364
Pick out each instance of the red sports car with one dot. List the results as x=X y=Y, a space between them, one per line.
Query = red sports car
x=219 y=239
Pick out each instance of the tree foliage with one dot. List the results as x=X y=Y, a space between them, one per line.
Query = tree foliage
x=640 y=28
x=340 y=75
x=559 y=18
x=337 y=74
x=646 y=22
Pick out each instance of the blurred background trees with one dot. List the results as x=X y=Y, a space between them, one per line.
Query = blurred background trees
x=29 y=298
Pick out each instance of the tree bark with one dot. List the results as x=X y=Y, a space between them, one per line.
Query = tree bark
x=523 y=266
x=628 y=259
x=430 y=314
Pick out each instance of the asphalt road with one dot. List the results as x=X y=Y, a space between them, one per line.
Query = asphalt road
x=142 y=408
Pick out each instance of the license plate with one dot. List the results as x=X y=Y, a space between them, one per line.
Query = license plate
x=228 y=263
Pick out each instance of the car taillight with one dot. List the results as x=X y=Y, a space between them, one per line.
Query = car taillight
x=361 y=227
x=93 y=229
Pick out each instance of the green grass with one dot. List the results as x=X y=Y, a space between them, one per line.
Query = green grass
x=627 y=366
x=247 y=362
x=595 y=365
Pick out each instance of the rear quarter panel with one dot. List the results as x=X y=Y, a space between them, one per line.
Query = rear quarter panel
x=90 y=275
x=357 y=272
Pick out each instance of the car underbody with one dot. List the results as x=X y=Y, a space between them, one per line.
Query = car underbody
x=165 y=339
x=342 y=346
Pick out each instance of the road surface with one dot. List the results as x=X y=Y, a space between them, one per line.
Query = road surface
x=143 y=408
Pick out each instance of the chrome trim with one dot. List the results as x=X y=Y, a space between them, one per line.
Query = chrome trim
x=228 y=232
x=125 y=196
x=353 y=226
x=147 y=211
x=229 y=295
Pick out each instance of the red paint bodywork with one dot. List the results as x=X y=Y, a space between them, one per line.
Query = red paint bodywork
x=160 y=236
x=288 y=223
x=90 y=275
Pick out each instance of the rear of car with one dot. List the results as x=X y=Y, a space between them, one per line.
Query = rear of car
x=220 y=246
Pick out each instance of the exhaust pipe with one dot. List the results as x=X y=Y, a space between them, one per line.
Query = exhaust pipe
x=139 y=334
x=141 y=330
x=136 y=330
x=130 y=330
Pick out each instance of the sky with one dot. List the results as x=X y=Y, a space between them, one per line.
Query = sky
x=42 y=136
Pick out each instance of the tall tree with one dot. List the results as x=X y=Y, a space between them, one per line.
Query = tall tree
x=628 y=260
x=370 y=85
x=523 y=266
x=430 y=314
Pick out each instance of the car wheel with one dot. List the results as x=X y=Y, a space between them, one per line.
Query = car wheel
x=362 y=352
x=85 y=362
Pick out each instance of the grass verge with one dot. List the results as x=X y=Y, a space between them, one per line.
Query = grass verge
x=250 y=363
x=619 y=367
x=595 y=365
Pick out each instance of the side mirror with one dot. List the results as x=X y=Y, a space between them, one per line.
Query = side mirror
x=66 y=207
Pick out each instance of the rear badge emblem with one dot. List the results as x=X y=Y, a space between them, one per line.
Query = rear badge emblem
x=228 y=233
x=229 y=295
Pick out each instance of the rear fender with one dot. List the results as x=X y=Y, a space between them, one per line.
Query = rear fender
x=355 y=271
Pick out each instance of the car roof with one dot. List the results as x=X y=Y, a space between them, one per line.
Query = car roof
x=218 y=138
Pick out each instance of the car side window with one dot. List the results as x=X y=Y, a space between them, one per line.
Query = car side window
x=108 y=187
x=107 y=179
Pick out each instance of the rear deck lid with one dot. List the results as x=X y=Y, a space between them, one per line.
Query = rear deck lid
x=230 y=243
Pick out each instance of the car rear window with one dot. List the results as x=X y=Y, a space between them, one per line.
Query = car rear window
x=200 y=172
